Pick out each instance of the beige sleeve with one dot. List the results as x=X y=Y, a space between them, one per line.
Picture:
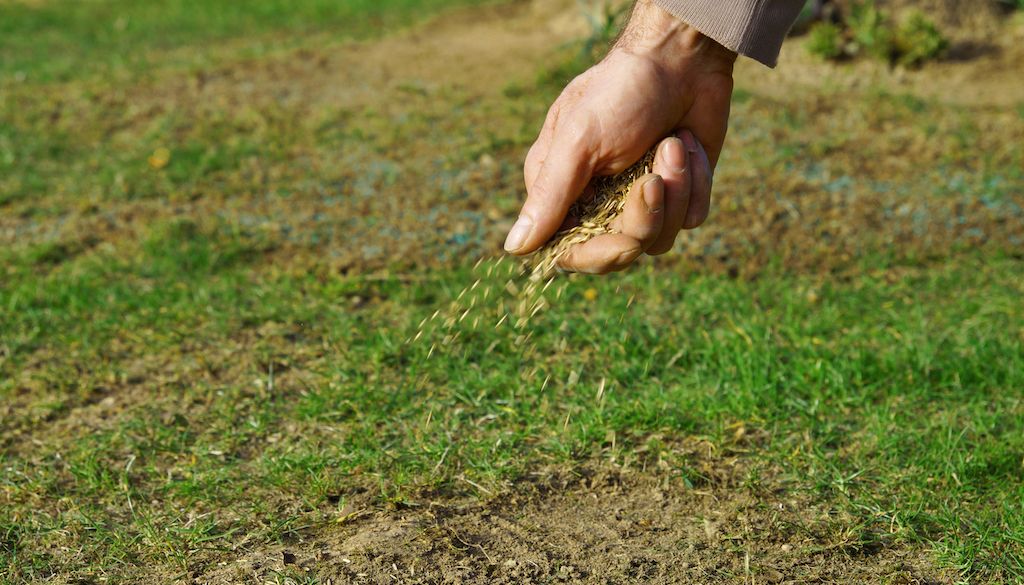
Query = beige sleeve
x=755 y=28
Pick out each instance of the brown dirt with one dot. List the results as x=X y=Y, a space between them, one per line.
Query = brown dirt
x=601 y=524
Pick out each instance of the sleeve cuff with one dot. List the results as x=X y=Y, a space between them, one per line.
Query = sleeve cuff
x=754 y=28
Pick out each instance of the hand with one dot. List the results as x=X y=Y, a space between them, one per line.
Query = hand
x=655 y=208
x=661 y=77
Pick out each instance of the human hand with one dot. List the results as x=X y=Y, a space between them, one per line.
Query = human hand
x=661 y=77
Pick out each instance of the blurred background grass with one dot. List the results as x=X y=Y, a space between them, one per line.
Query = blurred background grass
x=61 y=41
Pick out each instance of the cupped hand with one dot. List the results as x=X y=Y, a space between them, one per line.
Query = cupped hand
x=661 y=79
x=656 y=208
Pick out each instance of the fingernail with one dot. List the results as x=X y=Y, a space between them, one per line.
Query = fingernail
x=690 y=141
x=518 y=234
x=674 y=155
x=653 y=196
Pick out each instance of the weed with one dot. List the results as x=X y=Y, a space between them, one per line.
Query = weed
x=867 y=30
x=918 y=40
x=826 y=41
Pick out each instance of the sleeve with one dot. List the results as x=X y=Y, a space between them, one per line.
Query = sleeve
x=755 y=28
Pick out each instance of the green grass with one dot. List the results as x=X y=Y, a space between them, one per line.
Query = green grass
x=889 y=396
x=54 y=41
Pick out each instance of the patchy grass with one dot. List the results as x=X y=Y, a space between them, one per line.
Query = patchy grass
x=213 y=401
x=204 y=354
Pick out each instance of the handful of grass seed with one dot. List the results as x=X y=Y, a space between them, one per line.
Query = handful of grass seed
x=595 y=214
x=510 y=304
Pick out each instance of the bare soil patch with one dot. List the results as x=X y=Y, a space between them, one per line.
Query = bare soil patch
x=597 y=524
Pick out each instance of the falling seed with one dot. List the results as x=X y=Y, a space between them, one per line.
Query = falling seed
x=574 y=377
x=596 y=213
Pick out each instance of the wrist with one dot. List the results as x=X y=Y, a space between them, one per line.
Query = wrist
x=670 y=42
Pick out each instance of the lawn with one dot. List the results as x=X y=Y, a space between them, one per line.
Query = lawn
x=64 y=41
x=208 y=291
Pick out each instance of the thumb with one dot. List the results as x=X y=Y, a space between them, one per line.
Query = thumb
x=559 y=182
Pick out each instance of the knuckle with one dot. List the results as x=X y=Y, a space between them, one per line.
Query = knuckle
x=627 y=256
x=578 y=130
x=622 y=260
x=532 y=158
x=553 y=113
